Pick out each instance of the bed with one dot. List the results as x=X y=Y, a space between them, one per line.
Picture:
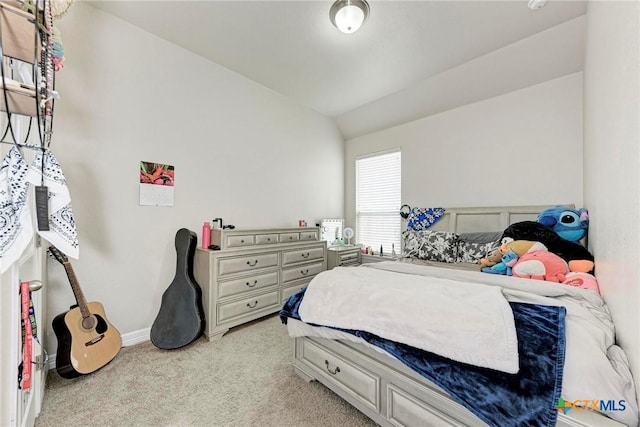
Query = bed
x=426 y=383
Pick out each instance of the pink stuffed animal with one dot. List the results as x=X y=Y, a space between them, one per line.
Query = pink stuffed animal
x=541 y=265
x=582 y=280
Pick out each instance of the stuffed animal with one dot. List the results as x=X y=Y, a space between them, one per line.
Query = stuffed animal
x=565 y=249
x=520 y=247
x=505 y=266
x=568 y=223
x=582 y=280
x=541 y=265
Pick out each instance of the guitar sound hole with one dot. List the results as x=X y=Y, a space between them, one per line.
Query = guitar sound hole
x=89 y=322
x=96 y=322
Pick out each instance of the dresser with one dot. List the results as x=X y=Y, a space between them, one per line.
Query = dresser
x=254 y=272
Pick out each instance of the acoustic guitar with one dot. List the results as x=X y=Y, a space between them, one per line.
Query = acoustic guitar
x=180 y=320
x=86 y=339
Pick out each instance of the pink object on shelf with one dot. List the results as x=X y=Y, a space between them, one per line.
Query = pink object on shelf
x=206 y=235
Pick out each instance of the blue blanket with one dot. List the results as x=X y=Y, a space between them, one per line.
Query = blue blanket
x=527 y=398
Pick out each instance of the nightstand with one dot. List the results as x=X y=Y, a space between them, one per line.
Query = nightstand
x=343 y=256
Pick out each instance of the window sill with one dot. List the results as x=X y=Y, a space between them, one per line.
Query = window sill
x=376 y=258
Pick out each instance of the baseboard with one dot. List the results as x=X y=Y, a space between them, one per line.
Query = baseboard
x=129 y=339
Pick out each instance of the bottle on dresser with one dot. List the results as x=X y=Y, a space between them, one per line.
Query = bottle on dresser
x=206 y=235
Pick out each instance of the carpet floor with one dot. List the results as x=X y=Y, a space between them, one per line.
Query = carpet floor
x=244 y=379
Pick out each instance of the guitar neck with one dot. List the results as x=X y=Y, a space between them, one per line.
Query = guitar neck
x=77 y=292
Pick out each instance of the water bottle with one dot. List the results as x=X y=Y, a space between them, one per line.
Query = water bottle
x=206 y=235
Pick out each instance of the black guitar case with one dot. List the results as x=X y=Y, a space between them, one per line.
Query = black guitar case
x=180 y=320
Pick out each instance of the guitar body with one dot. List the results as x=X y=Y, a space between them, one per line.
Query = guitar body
x=84 y=345
x=180 y=320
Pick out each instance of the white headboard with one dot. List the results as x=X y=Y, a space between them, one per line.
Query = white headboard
x=495 y=218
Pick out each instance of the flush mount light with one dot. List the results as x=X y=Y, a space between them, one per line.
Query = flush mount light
x=348 y=15
x=536 y=4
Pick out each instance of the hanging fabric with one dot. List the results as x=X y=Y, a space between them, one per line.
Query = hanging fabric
x=27 y=343
x=422 y=218
x=45 y=170
x=16 y=229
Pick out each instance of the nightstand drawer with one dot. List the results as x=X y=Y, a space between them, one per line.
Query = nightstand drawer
x=248 y=305
x=301 y=271
x=247 y=263
x=301 y=255
x=349 y=258
x=247 y=284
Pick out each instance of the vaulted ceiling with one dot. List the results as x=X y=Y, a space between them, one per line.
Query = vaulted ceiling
x=410 y=58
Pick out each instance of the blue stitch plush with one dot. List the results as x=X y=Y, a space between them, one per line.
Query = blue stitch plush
x=508 y=261
x=568 y=223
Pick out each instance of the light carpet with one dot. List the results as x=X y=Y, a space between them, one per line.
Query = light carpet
x=244 y=379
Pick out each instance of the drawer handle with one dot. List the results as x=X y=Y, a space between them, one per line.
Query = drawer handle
x=305 y=255
x=290 y=237
x=304 y=272
x=335 y=371
x=268 y=239
x=242 y=241
x=252 y=265
x=252 y=306
x=255 y=282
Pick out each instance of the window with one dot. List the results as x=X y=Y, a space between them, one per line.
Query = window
x=378 y=201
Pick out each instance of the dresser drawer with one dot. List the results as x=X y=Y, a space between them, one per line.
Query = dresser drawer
x=294 y=287
x=308 y=235
x=258 y=303
x=239 y=241
x=303 y=254
x=363 y=385
x=266 y=239
x=247 y=263
x=289 y=237
x=247 y=284
x=301 y=271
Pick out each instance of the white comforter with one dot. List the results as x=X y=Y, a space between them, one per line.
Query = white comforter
x=595 y=368
x=471 y=324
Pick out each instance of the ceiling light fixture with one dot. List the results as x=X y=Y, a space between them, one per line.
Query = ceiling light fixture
x=536 y=4
x=349 y=15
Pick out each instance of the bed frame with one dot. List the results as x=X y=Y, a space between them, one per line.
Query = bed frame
x=387 y=391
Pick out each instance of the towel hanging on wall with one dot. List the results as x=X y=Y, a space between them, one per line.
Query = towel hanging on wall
x=62 y=227
x=16 y=229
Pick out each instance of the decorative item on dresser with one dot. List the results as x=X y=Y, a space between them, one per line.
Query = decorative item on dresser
x=254 y=271
x=343 y=256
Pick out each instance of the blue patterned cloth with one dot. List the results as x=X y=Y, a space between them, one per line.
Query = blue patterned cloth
x=527 y=398
x=423 y=218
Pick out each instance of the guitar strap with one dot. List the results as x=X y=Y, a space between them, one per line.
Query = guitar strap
x=29 y=333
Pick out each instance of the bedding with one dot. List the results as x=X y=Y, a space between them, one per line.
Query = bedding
x=359 y=299
x=594 y=367
x=531 y=393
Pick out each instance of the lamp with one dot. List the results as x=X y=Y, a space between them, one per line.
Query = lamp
x=348 y=15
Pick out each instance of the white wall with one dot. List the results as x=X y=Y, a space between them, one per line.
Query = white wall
x=522 y=148
x=612 y=162
x=241 y=152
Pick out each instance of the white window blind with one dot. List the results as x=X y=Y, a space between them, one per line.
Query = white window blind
x=378 y=180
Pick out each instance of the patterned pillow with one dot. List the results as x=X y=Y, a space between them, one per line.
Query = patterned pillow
x=438 y=246
x=472 y=252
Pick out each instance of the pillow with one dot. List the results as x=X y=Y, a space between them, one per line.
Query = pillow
x=440 y=246
x=481 y=236
x=472 y=251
